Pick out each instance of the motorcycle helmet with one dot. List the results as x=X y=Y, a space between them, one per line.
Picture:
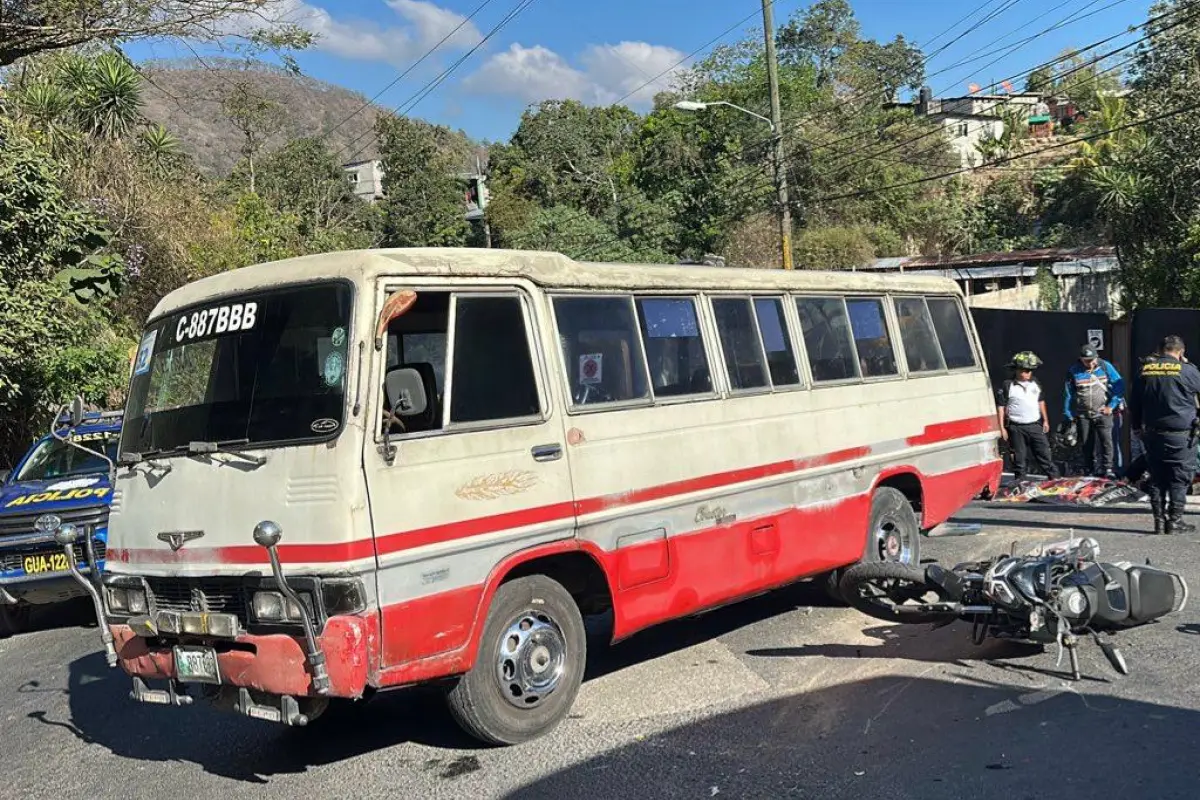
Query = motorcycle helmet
x=1026 y=359
x=1068 y=433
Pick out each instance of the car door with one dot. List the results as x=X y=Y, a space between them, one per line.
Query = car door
x=475 y=475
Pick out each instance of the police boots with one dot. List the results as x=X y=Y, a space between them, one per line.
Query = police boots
x=1160 y=516
x=1177 y=526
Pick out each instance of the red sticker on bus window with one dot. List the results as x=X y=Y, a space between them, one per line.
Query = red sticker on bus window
x=591 y=369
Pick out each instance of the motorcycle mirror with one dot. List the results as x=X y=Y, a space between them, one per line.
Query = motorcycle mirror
x=1115 y=657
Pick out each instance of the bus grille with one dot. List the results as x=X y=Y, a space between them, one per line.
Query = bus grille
x=214 y=595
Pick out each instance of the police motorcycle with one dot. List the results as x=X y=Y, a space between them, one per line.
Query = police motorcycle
x=1059 y=593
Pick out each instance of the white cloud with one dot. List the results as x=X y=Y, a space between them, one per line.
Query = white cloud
x=605 y=74
x=424 y=25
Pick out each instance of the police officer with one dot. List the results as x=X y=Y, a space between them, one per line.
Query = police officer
x=1168 y=410
x=1024 y=421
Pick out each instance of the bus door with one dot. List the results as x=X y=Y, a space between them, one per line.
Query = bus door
x=466 y=463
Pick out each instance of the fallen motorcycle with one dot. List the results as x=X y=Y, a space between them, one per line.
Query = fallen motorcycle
x=1058 y=593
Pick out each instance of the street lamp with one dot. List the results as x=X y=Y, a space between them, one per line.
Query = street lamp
x=785 y=212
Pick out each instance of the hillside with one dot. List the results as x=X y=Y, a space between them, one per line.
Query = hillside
x=186 y=97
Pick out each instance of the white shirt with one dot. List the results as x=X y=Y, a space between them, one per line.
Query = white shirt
x=1023 y=399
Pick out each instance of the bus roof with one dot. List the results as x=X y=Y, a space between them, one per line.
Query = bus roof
x=550 y=270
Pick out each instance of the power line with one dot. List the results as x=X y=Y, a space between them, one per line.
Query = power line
x=432 y=85
x=406 y=72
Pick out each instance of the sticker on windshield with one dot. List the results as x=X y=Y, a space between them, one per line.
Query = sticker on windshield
x=591 y=369
x=325 y=425
x=339 y=337
x=145 y=352
x=334 y=365
x=77 y=483
x=234 y=318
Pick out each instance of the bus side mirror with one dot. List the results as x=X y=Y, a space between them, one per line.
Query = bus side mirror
x=406 y=392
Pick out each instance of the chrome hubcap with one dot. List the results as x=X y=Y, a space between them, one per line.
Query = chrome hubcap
x=892 y=543
x=531 y=659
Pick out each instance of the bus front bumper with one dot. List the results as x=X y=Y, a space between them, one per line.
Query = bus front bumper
x=262 y=676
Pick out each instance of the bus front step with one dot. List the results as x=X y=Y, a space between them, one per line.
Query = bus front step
x=171 y=696
x=287 y=712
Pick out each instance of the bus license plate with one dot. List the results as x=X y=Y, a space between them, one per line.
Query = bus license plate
x=197 y=665
x=46 y=562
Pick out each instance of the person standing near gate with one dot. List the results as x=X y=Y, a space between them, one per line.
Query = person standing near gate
x=1168 y=413
x=1094 y=389
x=1024 y=422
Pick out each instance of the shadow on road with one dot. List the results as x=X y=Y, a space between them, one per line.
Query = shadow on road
x=906 y=738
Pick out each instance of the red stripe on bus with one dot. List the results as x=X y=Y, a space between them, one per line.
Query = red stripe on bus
x=557 y=512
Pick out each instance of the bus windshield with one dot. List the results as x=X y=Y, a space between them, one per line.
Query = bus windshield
x=53 y=459
x=254 y=369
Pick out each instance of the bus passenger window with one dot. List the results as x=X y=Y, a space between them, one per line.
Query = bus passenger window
x=744 y=360
x=952 y=332
x=876 y=357
x=826 y=333
x=417 y=340
x=674 y=347
x=921 y=351
x=601 y=349
x=778 y=345
x=492 y=375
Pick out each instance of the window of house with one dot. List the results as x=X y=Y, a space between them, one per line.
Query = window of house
x=602 y=349
x=873 y=342
x=826 y=330
x=952 y=332
x=674 y=346
x=781 y=358
x=745 y=362
x=962 y=130
x=917 y=335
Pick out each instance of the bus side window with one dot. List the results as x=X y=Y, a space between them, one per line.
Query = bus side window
x=827 y=339
x=921 y=351
x=876 y=357
x=492 y=373
x=952 y=332
x=674 y=346
x=601 y=349
x=745 y=362
x=417 y=340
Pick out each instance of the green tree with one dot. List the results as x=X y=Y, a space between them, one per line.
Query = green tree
x=29 y=27
x=256 y=117
x=423 y=203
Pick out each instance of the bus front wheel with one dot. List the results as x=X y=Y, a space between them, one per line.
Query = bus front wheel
x=529 y=666
x=893 y=534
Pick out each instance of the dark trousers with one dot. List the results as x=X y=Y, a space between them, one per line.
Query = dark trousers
x=1093 y=432
x=1026 y=439
x=1171 y=464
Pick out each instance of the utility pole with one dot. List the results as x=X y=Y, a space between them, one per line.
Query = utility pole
x=785 y=212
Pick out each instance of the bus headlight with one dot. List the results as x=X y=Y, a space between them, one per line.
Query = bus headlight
x=126 y=600
x=274 y=607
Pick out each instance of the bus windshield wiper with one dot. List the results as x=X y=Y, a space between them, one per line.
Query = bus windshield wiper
x=208 y=448
x=129 y=458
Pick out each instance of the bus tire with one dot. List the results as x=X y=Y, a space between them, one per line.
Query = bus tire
x=14 y=619
x=892 y=520
x=529 y=666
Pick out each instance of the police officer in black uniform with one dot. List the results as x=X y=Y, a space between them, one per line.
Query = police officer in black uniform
x=1168 y=410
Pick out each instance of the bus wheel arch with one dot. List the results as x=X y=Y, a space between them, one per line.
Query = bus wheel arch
x=893 y=531
x=530 y=652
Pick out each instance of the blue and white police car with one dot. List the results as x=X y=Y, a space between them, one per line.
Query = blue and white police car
x=54 y=483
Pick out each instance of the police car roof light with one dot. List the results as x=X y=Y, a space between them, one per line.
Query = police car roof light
x=93 y=417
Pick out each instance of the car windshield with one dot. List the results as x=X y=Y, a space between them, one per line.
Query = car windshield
x=53 y=459
x=260 y=368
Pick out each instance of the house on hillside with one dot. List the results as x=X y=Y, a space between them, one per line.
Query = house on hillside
x=366 y=177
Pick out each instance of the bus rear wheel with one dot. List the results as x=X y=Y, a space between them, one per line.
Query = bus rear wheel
x=529 y=666
x=893 y=535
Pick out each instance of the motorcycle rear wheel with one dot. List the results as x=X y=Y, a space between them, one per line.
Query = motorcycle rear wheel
x=881 y=589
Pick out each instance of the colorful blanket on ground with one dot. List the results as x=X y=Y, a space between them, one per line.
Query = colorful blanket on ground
x=1079 y=491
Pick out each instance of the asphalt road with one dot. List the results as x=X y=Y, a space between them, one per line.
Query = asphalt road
x=780 y=696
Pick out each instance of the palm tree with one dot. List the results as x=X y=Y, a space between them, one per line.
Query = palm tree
x=109 y=102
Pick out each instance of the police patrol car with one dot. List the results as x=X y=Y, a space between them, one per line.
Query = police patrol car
x=55 y=482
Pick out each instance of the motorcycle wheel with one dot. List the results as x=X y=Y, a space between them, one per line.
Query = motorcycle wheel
x=881 y=589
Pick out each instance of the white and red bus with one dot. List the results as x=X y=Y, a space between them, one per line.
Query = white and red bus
x=452 y=456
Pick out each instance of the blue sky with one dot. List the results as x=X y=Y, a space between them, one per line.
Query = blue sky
x=599 y=51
